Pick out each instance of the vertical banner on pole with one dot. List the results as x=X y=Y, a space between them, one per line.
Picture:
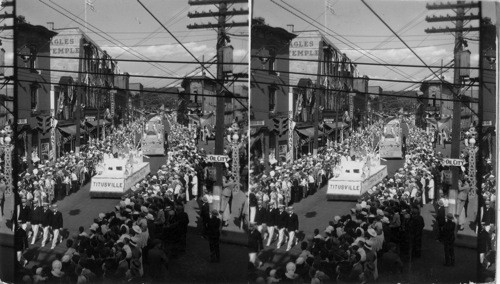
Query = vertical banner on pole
x=112 y=103
x=289 y=156
x=53 y=152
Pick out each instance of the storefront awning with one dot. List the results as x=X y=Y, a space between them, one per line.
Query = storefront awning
x=68 y=129
x=336 y=125
x=101 y=122
x=309 y=132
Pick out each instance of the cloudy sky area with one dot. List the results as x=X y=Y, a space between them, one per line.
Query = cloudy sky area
x=129 y=31
x=352 y=26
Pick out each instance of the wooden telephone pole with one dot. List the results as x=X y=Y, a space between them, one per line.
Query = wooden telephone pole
x=222 y=39
x=459 y=29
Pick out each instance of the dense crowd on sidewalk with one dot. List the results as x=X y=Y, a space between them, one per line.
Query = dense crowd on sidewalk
x=135 y=240
x=382 y=231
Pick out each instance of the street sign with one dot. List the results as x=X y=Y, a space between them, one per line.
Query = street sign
x=453 y=162
x=254 y=123
x=487 y=123
x=217 y=158
x=22 y=121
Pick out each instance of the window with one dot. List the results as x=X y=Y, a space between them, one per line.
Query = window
x=34 y=96
x=272 y=98
x=272 y=60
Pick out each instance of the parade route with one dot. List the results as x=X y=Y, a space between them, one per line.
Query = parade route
x=79 y=209
x=315 y=212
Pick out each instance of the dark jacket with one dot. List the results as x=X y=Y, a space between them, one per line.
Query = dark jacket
x=37 y=216
x=448 y=232
x=261 y=216
x=56 y=221
x=213 y=228
x=292 y=223
x=488 y=216
x=281 y=219
x=271 y=216
x=46 y=217
x=24 y=214
x=255 y=242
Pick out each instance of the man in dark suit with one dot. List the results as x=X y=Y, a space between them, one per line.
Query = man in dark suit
x=281 y=221
x=24 y=215
x=488 y=214
x=292 y=226
x=255 y=243
x=56 y=222
x=261 y=219
x=448 y=239
x=204 y=215
x=46 y=220
x=213 y=232
x=36 y=221
x=272 y=213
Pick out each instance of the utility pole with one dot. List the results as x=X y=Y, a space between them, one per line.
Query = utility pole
x=317 y=95
x=459 y=19
x=222 y=38
x=80 y=92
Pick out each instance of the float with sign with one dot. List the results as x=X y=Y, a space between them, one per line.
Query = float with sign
x=352 y=179
x=391 y=144
x=115 y=176
x=153 y=138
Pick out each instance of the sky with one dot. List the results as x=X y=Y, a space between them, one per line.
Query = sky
x=129 y=29
x=352 y=26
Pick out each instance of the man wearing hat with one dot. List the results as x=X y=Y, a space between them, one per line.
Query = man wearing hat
x=272 y=214
x=213 y=233
x=24 y=215
x=56 y=222
x=281 y=222
x=448 y=239
x=45 y=222
x=292 y=226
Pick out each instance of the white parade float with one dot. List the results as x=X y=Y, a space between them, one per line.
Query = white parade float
x=351 y=179
x=391 y=144
x=115 y=176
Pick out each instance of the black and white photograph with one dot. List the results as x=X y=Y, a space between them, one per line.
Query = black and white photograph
x=131 y=141
x=372 y=141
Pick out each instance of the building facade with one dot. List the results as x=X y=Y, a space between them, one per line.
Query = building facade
x=269 y=83
x=322 y=80
x=34 y=91
x=82 y=72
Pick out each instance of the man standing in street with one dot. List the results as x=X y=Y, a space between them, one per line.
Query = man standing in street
x=488 y=214
x=281 y=222
x=213 y=232
x=463 y=195
x=36 y=221
x=448 y=239
x=24 y=215
x=292 y=226
x=56 y=223
x=272 y=214
x=45 y=222
x=255 y=244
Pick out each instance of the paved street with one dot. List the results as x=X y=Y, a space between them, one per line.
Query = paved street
x=315 y=212
x=193 y=266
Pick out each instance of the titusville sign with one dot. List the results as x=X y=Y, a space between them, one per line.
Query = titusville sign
x=217 y=158
x=453 y=162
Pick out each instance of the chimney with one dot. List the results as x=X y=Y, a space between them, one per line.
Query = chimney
x=50 y=25
x=290 y=28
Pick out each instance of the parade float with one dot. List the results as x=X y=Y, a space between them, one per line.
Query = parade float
x=116 y=175
x=353 y=178
x=391 y=144
x=153 y=138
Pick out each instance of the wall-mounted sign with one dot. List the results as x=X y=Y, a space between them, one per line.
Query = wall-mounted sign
x=453 y=162
x=217 y=158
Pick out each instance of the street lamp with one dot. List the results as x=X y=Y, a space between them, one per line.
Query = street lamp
x=472 y=149
x=235 y=146
x=6 y=147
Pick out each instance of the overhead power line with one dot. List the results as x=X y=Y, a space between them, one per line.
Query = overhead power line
x=116 y=75
x=145 y=61
x=357 y=63
x=127 y=89
x=184 y=47
x=253 y=81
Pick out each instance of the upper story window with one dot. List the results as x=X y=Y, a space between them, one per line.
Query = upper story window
x=28 y=54
x=272 y=98
x=34 y=96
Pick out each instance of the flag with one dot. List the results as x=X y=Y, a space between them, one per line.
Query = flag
x=329 y=6
x=90 y=4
